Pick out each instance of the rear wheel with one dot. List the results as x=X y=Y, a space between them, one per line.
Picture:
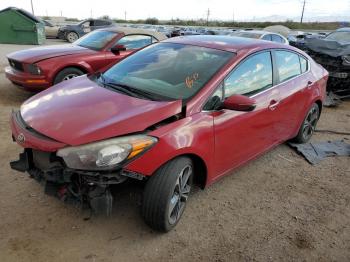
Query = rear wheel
x=309 y=125
x=67 y=73
x=72 y=37
x=166 y=194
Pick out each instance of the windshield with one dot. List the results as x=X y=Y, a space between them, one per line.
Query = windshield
x=174 y=71
x=96 y=40
x=339 y=36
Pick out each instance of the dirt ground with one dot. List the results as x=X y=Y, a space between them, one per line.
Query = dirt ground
x=276 y=208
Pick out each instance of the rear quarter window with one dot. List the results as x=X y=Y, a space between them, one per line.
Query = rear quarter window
x=288 y=65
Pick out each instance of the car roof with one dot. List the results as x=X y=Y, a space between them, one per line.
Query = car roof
x=224 y=42
x=129 y=31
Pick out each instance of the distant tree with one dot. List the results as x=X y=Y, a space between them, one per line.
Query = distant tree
x=152 y=21
x=105 y=17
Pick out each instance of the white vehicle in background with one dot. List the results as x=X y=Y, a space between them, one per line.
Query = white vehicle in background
x=51 y=31
x=263 y=35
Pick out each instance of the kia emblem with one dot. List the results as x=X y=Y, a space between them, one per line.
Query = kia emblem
x=21 y=138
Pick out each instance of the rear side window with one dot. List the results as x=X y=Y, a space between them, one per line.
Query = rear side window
x=303 y=64
x=135 y=41
x=277 y=38
x=288 y=65
x=251 y=76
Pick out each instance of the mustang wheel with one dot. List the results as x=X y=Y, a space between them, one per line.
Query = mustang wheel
x=309 y=125
x=72 y=37
x=166 y=194
x=67 y=73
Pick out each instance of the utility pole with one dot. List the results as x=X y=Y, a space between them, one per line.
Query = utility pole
x=302 y=13
x=233 y=15
x=91 y=13
x=31 y=2
x=208 y=13
x=125 y=16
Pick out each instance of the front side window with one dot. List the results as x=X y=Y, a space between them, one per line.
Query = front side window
x=135 y=41
x=267 y=38
x=288 y=65
x=174 y=71
x=96 y=40
x=251 y=76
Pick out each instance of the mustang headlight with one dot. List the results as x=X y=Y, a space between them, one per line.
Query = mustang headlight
x=107 y=154
x=34 y=69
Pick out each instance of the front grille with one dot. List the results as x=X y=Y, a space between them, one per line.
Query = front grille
x=16 y=65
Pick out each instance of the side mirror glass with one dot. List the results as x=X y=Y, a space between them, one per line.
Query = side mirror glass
x=239 y=103
x=118 y=48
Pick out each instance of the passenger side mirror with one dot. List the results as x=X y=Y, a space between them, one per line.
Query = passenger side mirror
x=239 y=103
x=117 y=48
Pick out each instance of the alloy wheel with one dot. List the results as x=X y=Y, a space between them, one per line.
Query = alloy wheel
x=310 y=122
x=180 y=195
x=69 y=76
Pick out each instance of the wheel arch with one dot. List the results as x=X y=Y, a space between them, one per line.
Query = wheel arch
x=77 y=66
x=320 y=106
x=200 y=168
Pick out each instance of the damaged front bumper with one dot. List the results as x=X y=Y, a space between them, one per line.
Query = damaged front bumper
x=87 y=189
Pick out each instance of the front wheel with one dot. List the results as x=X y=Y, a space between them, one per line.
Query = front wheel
x=67 y=73
x=72 y=37
x=309 y=125
x=166 y=194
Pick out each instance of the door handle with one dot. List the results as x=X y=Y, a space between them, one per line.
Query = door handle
x=309 y=84
x=273 y=104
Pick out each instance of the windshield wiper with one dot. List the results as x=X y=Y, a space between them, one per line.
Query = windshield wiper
x=132 y=91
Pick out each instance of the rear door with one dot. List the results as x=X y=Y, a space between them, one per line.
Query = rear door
x=239 y=136
x=295 y=85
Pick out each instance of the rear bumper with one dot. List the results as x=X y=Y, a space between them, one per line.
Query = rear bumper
x=27 y=81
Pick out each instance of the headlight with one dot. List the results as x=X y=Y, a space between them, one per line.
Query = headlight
x=34 y=69
x=107 y=154
x=346 y=59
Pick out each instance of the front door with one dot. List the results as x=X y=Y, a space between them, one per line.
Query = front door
x=240 y=136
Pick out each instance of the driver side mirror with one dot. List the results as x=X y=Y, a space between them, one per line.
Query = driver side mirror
x=239 y=103
x=117 y=48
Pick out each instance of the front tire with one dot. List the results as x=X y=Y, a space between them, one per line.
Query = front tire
x=166 y=193
x=67 y=73
x=308 y=126
x=72 y=37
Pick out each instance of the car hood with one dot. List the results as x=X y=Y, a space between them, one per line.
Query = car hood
x=329 y=47
x=33 y=55
x=79 y=111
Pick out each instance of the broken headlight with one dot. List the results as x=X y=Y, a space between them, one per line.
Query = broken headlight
x=346 y=60
x=106 y=154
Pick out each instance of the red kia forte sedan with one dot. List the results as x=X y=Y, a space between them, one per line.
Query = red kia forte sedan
x=39 y=68
x=185 y=111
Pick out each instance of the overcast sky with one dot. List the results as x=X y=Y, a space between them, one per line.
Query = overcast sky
x=185 y=9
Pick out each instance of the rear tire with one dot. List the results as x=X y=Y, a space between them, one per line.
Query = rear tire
x=166 y=194
x=308 y=126
x=67 y=73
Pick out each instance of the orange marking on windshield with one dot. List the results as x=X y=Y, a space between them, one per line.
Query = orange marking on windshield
x=189 y=80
